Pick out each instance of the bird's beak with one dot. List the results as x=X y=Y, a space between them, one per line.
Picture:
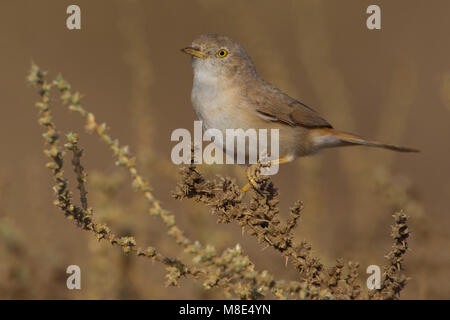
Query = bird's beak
x=195 y=52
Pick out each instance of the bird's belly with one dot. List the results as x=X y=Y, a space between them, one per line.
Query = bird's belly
x=217 y=117
x=216 y=111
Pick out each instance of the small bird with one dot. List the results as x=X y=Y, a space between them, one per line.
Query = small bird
x=227 y=93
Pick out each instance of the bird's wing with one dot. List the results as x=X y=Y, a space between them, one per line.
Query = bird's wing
x=274 y=105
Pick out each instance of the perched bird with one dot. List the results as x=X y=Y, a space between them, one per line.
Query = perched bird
x=227 y=93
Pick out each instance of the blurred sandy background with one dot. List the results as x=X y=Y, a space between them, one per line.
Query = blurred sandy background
x=392 y=85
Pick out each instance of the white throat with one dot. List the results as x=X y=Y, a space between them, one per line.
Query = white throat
x=210 y=97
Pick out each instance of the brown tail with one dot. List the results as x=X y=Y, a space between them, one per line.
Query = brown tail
x=351 y=139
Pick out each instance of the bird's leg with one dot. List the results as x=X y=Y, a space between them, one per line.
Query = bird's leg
x=251 y=177
x=279 y=161
x=253 y=171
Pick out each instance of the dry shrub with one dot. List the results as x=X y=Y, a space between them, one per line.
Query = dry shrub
x=231 y=270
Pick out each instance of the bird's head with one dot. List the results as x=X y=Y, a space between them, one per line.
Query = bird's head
x=219 y=55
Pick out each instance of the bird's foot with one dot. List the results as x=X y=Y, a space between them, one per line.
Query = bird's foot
x=253 y=173
x=254 y=177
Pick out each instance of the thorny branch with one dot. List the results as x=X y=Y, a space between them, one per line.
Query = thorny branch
x=231 y=270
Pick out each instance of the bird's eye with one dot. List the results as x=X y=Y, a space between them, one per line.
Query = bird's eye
x=222 y=53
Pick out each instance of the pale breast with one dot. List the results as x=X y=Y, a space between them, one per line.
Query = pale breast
x=215 y=102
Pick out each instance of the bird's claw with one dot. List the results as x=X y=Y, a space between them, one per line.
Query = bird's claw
x=253 y=173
